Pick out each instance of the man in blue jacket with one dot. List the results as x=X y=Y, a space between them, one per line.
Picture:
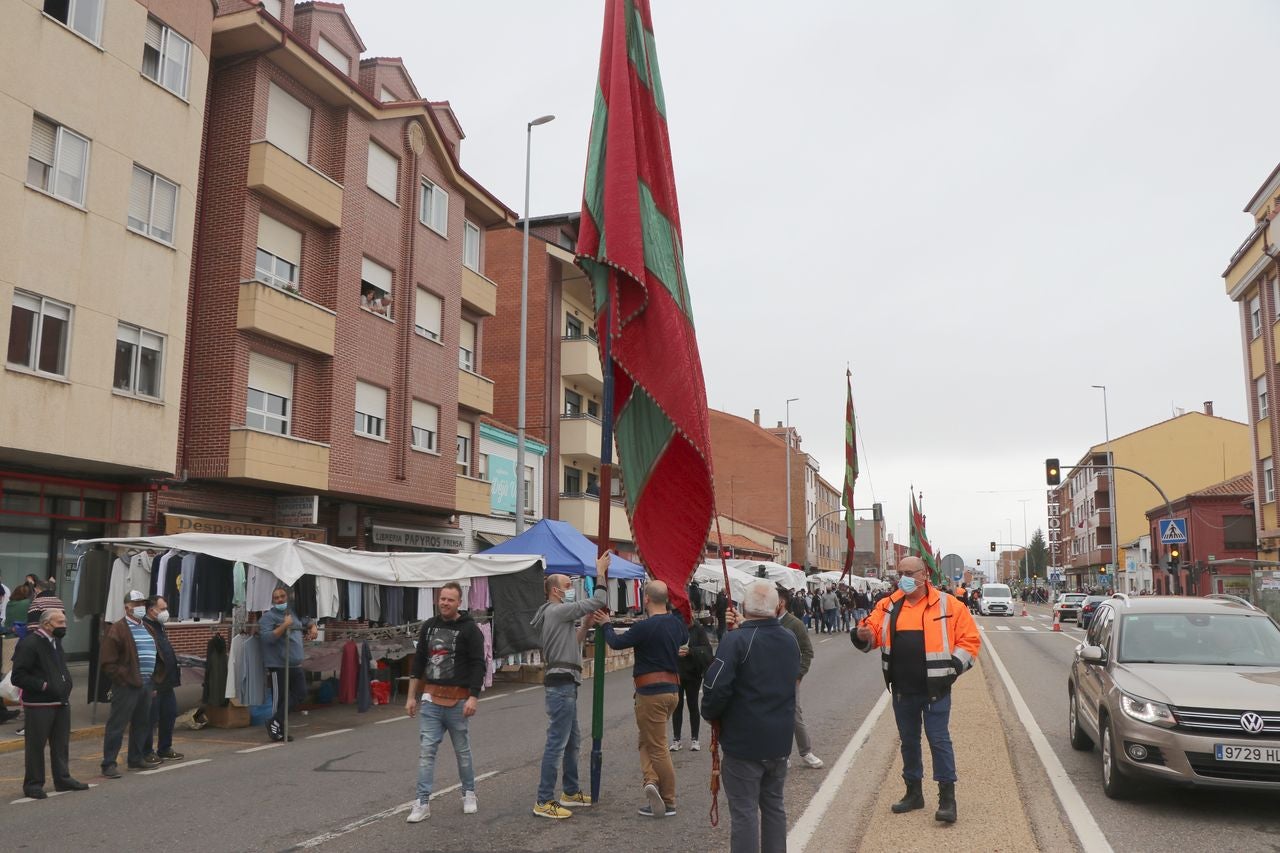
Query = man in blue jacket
x=750 y=690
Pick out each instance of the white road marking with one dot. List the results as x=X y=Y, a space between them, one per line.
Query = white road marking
x=258 y=748
x=1086 y=828
x=808 y=823
x=827 y=640
x=1028 y=628
x=525 y=689
x=51 y=795
x=178 y=766
x=330 y=734
x=392 y=719
x=374 y=818
x=1003 y=628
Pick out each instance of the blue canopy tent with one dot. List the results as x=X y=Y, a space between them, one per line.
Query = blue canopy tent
x=565 y=550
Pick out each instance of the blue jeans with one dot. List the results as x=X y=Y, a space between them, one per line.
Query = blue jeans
x=563 y=739
x=433 y=721
x=131 y=708
x=831 y=620
x=910 y=709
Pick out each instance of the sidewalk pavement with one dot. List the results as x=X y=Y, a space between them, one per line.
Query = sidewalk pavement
x=1000 y=798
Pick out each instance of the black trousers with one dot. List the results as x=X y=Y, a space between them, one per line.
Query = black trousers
x=297 y=692
x=52 y=726
x=688 y=698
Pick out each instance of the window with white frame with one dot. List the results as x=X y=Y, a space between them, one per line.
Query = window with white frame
x=269 y=404
x=427 y=312
x=383 y=168
x=371 y=410
x=482 y=466
x=331 y=52
x=139 y=361
x=465 y=432
x=1275 y=295
x=1268 y=481
x=279 y=254
x=274 y=7
x=385 y=95
x=288 y=123
x=467 y=345
x=1255 y=315
x=375 y=287
x=153 y=205
x=426 y=426
x=83 y=16
x=470 y=246
x=1260 y=386
x=528 y=490
x=434 y=209
x=39 y=334
x=166 y=57
x=57 y=161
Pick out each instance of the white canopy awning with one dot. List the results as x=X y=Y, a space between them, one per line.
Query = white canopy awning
x=776 y=572
x=710 y=576
x=290 y=559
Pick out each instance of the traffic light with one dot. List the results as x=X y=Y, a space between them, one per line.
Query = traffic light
x=1052 y=476
x=1174 y=556
x=979 y=562
x=993 y=547
x=1102 y=570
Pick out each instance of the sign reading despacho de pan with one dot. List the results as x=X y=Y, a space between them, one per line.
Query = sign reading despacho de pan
x=403 y=537
x=193 y=524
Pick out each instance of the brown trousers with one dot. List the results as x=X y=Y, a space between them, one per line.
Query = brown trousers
x=653 y=712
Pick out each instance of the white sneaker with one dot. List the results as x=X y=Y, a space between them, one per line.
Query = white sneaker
x=694 y=745
x=811 y=760
x=419 y=813
x=675 y=746
x=469 y=802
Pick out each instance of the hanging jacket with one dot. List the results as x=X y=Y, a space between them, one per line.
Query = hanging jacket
x=951 y=639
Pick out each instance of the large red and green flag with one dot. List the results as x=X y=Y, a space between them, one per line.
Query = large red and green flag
x=629 y=245
x=920 y=541
x=850 y=472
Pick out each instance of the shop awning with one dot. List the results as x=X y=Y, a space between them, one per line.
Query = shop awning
x=290 y=559
x=492 y=539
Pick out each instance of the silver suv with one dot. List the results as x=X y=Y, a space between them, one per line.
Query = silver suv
x=1181 y=689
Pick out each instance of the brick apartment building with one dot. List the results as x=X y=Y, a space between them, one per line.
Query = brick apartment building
x=338 y=304
x=99 y=211
x=1221 y=542
x=565 y=381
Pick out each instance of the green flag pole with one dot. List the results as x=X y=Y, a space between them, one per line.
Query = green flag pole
x=606 y=504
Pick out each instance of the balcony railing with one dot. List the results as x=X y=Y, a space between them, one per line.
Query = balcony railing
x=475 y=392
x=479 y=293
x=295 y=184
x=264 y=457
x=582 y=510
x=580 y=435
x=284 y=316
x=580 y=363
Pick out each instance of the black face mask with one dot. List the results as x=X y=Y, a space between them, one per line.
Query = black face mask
x=59 y=632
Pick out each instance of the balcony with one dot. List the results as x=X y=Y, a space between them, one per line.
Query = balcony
x=580 y=364
x=1101 y=518
x=583 y=512
x=473 y=496
x=475 y=392
x=1102 y=485
x=295 y=185
x=277 y=460
x=580 y=435
x=479 y=293
x=282 y=316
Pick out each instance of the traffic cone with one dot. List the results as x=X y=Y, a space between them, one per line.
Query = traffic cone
x=1056 y=626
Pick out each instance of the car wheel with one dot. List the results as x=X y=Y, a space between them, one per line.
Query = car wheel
x=1115 y=784
x=1079 y=740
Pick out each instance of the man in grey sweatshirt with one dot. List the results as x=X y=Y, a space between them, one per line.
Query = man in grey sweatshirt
x=562 y=673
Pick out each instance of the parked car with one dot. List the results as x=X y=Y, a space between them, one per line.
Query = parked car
x=1088 y=607
x=1181 y=690
x=996 y=600
x=1068 y=606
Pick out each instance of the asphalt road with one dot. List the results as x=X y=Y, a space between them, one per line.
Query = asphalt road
x=1160 y=817
x=337 y=787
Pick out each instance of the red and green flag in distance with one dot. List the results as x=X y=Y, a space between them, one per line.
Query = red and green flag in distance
x=850 y=472
x=629 y=245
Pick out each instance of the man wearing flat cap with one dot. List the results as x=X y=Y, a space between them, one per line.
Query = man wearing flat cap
x=130 y=657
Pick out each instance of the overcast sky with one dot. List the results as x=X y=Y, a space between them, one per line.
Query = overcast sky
x=984 y=207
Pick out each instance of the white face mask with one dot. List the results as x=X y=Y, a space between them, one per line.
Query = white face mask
x=162 y=617
x=139 y=612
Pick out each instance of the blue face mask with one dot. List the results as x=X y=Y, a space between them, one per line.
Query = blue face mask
x=281 y=607
x=570 y=595
x=907 y=584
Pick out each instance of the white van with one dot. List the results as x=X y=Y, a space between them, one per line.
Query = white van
x=996 y=600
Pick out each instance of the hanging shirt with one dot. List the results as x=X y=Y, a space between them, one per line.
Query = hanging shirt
x=187 y=587
x=480 y=594
x=116 y=591
x=355 y=600
x=326 y=598
x=237 y=584
x=372 y=602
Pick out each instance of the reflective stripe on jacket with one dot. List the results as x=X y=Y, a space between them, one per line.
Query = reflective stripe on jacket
x=951 y=640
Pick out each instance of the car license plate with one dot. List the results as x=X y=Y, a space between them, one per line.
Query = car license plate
x=1247 y=754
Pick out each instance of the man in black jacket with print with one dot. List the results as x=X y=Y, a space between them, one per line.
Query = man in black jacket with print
x=40 y=671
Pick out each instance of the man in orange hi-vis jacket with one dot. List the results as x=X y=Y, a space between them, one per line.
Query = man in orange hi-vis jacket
x=926 y=639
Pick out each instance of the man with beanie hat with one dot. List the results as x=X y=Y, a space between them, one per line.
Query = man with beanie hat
x=131 y=658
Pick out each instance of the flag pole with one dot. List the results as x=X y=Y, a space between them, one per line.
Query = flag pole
x=606 y=505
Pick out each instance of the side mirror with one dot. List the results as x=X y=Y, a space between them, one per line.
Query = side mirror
x=1093 y=654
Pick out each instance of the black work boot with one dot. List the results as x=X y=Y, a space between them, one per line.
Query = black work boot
x=946 y=802
x=912 y=800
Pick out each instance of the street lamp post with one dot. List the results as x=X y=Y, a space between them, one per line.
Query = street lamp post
x=524 y=325
x=1026 y=544
x=791 y=554
x=1111 y=481
x=1013 y=569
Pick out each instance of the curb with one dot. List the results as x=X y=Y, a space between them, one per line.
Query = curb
x=19 y=744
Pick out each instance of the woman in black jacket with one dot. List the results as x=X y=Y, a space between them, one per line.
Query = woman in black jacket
x=695 y=657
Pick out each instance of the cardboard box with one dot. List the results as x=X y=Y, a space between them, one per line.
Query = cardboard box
x=227 y=716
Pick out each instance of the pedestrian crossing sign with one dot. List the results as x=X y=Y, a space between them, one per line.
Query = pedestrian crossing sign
x=1173 y=530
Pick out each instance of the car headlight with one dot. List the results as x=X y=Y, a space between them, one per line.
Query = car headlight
x=1145 y=711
